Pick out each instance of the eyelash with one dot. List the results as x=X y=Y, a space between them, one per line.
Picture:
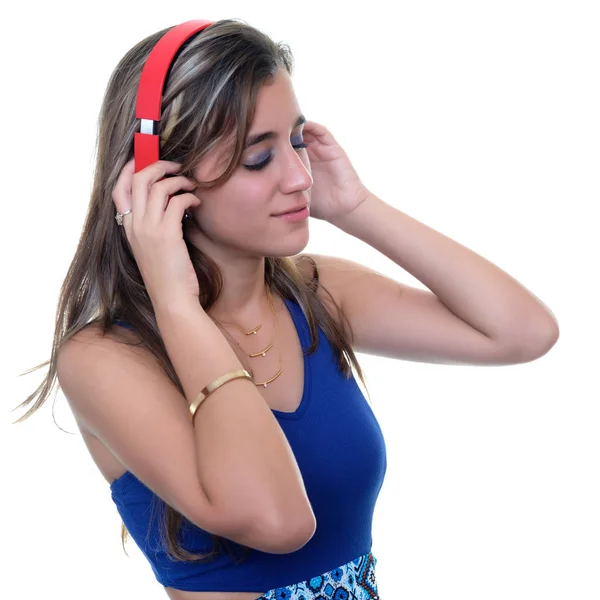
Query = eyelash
x=264 y=163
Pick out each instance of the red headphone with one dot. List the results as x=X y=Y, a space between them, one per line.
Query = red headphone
x=150 y=89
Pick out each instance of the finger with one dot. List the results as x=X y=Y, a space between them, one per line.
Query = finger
x=142 y=182
x=163 y=192
x=177 y=206
x=121 y=193
x=318 y=131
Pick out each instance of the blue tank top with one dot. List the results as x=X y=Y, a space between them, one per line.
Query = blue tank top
x=341 y=453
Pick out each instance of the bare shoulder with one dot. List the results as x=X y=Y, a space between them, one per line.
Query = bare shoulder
x=332 y=274
x=91 y=344
x=90 y=347
x=120 y=340
x=93 y=334
x=318 y=269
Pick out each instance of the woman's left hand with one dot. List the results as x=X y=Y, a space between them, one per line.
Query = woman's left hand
x=337 y=189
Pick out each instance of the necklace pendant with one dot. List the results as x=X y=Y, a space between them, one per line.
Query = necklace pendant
x=261 y=352
x=265 y=384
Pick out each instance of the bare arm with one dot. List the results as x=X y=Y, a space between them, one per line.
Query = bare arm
x=233 y=474
x=246 y=465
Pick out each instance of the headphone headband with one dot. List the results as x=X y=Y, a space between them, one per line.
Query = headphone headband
x=150 y=89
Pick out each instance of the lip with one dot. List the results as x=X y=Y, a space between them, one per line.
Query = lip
x=295 y=217
x=292 y=210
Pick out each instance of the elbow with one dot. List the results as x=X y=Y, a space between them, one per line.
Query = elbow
x=275 y=536
x=545 y=343
x=294 y=534
x=531 y=343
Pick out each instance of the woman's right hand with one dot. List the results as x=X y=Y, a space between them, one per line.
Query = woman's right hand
x=154 y=229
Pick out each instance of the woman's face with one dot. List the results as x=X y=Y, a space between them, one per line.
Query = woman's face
x=239 y=213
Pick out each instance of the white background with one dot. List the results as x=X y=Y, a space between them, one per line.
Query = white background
x=481 y=119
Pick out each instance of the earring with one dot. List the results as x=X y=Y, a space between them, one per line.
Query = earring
x=187 y=215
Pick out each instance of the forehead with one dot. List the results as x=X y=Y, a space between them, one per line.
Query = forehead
x=276 y=104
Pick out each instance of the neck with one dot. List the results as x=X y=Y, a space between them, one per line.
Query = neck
x=243 y=298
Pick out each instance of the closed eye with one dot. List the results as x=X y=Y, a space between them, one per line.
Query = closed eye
x=264 y=163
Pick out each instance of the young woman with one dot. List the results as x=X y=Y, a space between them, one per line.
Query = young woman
x=209 y=363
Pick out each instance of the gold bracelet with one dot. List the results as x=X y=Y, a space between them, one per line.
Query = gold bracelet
x=214 y=385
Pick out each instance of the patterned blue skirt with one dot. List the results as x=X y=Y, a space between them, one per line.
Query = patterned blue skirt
x=353 y=581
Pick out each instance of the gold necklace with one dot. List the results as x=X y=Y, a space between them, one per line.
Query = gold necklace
x=262 y=352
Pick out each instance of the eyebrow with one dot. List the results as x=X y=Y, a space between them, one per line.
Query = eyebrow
x=268 y=135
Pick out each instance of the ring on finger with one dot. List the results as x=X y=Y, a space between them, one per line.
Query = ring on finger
x=119 y=216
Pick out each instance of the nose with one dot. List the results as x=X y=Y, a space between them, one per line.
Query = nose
x=295 y=176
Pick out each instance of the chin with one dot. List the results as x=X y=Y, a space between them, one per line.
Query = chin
x=290 y=246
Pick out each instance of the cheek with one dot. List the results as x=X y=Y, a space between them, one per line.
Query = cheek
x=251 y=197
x=241 y=208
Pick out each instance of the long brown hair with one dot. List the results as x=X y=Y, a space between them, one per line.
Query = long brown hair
x=209 y=99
